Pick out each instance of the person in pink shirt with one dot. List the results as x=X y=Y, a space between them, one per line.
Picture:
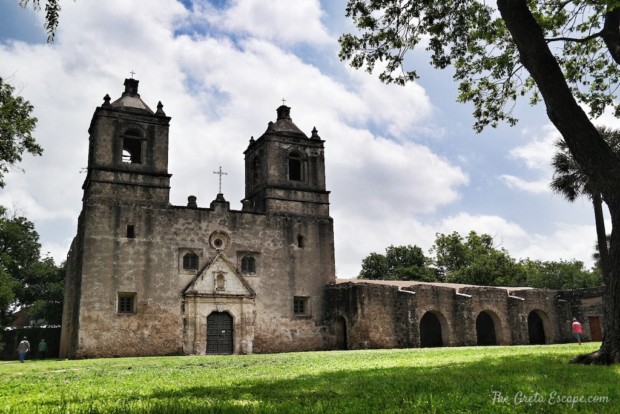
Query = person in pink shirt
x=577 y=329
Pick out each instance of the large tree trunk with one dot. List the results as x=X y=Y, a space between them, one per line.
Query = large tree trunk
x=601 y=234
x=586 y=146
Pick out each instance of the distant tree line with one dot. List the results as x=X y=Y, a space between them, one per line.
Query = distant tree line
x=475 y=260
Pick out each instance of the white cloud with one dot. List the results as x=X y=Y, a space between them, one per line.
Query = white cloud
x=537 y=153
x=280 y=21
x=537 y=187
x=568 y=241
x=499 y=228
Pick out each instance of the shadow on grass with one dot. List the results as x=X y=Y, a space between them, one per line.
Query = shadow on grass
x=501 y=384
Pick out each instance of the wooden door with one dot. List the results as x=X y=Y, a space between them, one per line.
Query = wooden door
x=219 y=333
x=595 y=328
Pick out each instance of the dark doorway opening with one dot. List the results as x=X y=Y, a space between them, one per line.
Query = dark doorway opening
x=485 y=329
x=536 y=329
x=219 y=333
x=430 y=331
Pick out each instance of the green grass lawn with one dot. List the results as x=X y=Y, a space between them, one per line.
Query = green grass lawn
x=439 y=380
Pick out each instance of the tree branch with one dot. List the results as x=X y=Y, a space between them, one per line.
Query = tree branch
x=574 y=39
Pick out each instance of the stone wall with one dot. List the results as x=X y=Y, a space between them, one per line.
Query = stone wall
x=149 y=265
x=384 y=314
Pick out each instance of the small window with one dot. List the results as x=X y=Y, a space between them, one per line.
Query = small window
x=190 y=261
x=126 y=303
x=248 y=264
x=132 y=151
x=294 y=167
x=131 y=231
x=300 y=306
x=300 y=241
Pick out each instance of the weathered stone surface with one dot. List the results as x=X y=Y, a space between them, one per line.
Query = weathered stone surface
x=384 y=314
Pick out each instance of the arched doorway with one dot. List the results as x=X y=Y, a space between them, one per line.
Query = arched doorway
x=219 y=333
x=536 y=328
x=485 y=329
x=430 y=331
x=340 y=332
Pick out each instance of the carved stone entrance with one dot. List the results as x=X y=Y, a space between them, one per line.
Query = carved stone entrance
x=219 y=333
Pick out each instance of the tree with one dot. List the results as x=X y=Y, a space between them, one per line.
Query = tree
x=16 y=127
x=374 y=267
x=474 y=260
x=571 y=181
x=398 y=263
x=563 y=52
x=27 y=280
x=52 y=14
x=560 y=275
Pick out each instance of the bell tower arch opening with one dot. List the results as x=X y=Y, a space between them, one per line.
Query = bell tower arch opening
x=295 y=166
x=133 y=147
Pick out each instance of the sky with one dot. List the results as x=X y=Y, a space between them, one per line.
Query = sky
x=402 y=163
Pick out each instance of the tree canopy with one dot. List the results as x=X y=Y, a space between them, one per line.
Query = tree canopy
x=474 y=39
x=27 y=280
x=475 y=260
x=398 y=263
x=16 y=127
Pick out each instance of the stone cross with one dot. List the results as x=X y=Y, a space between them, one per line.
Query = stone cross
x=220 y=173
x=283 y=101
x=132 y=73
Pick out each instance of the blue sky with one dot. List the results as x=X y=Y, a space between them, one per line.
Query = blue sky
x=403 y=163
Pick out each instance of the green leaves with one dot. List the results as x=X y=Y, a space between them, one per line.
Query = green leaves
x=474 y=260
x=470 y=36
x=26 y=279
x=398 y=263
x=16 y=127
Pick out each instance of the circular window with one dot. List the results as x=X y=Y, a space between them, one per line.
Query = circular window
x=219 y=240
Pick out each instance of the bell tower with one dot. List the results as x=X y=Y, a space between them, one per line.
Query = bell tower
x=285 y=170
x=128 y=151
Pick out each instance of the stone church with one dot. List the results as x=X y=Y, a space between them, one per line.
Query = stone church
x=145 y=277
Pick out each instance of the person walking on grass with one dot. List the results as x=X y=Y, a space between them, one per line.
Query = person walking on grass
x=23 y=348
x=577 y=329
x=42 y=349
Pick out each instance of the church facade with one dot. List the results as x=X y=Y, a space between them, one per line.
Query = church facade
x=145 y=277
